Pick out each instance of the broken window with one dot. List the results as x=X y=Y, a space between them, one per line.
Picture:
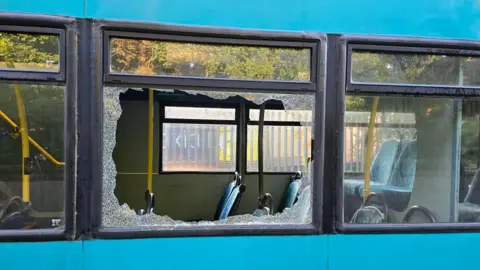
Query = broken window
x=198 y=160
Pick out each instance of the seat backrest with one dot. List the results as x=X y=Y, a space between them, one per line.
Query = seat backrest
x=232 y=201
x=223 y=201
x=291 y=195
x=384 y=161
x=403 y=173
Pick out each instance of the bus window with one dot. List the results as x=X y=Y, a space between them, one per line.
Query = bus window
x=197 y=161
x=417 y=161
x=31 y=173
x=32 y=131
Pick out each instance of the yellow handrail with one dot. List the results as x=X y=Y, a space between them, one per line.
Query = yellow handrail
x=150 y=141
x=368 y=152
x=33 y=142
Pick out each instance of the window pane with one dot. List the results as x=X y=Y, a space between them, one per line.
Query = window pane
x=44 y=185
x=199 y=147
x=410 y=68
x=37 y=52
x=282 y=115
x=155 y=57
x=285 y=149
x=423 y=164
x=199 y=113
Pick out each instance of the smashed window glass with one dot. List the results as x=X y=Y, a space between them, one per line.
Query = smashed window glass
x=199 y=174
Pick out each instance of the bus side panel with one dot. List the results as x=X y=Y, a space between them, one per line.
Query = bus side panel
x=42 y=255
x=232 y=253
x=403 y=251
x=73 y=8
x=409 y=17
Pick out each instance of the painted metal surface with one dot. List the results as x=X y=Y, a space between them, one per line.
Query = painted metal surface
x=444 y=18
x=412 y=251
x=232 y=253
x=74 y=8
x=401 y=251
x=42 y=255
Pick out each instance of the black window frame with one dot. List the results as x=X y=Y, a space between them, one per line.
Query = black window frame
x=341 y=84
x=275 y=124
x=315 y=88
x=66 y=28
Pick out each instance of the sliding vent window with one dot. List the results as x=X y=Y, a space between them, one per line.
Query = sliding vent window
x=199 y=139
x=168 y=58
x=29 y=52
x=287 y=140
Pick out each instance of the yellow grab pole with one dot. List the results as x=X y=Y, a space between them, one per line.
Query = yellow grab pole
x=150 y=140
x=33 y=142
x=368 y=152
x=24 y=134
x=25 y=142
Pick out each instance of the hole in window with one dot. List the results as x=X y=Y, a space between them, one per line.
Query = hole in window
x=31 y=156
x=414 y=68
x=20 y=51
x=155 y=57
x=204 y=179
x=417 y=162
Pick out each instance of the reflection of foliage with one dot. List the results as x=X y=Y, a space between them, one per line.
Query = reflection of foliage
x=202 y=60
x=28 y=49
x=356 y=104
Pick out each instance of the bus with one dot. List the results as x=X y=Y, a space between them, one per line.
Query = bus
x=297 y=135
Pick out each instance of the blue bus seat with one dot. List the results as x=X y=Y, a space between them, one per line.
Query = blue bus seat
x=384 y=161
x=399 y=186
x=403 y=174
x=380 y=170
x=231 y=198
x=226 y=195
x=291 y=195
